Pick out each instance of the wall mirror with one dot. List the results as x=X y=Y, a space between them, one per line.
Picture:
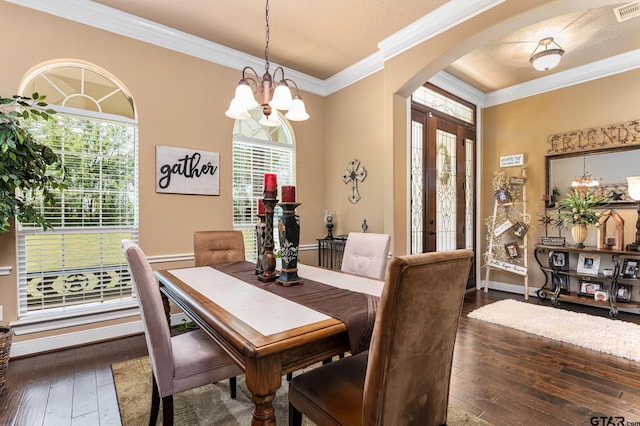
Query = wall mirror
x=611 y=166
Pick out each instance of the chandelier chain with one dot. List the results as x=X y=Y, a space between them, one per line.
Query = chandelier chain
x=266 y=48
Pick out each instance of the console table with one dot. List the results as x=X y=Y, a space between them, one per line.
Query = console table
x=565 y=278
x=330 y=252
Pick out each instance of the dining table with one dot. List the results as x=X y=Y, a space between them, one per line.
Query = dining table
x=269 y=329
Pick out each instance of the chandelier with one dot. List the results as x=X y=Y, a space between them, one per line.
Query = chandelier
x=586 y=182
x=544 y=58
x=272 y=98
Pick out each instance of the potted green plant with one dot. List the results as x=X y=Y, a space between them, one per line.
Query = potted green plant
x=577 y=210
x=26 y=165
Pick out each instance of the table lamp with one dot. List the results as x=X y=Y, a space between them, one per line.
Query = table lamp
x=634 y=193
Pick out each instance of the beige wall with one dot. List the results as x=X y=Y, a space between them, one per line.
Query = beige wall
x=354 y=131
x=181 y=102
x=522 y=127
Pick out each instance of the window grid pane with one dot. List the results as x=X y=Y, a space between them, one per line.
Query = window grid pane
x=264 y=152
x=417 y=188
x=80 y=263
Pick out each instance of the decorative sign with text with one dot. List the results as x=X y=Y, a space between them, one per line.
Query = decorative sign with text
x=627 y=133
x=510 y=267
x=187 y=171
x=512 y=160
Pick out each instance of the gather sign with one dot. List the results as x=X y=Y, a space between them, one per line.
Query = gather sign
x=187 y=171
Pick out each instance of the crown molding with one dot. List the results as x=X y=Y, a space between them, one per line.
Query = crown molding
x=109 y=19
x=453 y=85
x=450 y=14
x=361 y=69
x=446 y=16
x=593 y=71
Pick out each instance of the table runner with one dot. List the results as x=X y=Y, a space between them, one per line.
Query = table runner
x=356 y=310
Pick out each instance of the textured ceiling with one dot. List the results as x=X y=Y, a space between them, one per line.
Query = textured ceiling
x=318 y=38
x=586 y=37
x=321 y=38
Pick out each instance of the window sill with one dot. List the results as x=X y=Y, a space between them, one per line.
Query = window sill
x=46 y=322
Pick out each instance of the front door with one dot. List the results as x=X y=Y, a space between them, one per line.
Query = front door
x=442 y=183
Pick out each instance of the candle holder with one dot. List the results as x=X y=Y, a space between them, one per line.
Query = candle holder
x=260 y=227
x=329 y=219
x=289 y=233
x=268 y=258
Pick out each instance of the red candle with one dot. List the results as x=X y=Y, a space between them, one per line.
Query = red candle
x=260 y=206
x=289 y=194
x=270 y=182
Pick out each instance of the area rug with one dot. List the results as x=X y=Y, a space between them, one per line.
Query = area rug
x=211 y=404
x=601 y=334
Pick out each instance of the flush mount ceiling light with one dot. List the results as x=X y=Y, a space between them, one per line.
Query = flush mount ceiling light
x=272 y=97
x=546 y=55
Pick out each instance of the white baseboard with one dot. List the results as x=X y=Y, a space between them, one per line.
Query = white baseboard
x=77 y=338
x=508 y=288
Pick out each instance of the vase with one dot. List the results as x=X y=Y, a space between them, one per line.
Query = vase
x=579 y=234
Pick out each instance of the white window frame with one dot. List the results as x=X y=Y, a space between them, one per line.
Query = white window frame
x=95 y=310
x=265 y=139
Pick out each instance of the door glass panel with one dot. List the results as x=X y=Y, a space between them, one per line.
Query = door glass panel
x=468 y=193
x=445 y=191
x=417 y=187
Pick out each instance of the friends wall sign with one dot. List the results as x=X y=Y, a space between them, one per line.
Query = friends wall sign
x=187 y=171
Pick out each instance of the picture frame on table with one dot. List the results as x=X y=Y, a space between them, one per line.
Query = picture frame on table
x=512 y=250
x=502 y=196
x=601 y=295
x=588 y=288
x=519 y=229
x=630 y=268
x=559 y=260
x=588 y=264
x=561 y=279
x=623 y=294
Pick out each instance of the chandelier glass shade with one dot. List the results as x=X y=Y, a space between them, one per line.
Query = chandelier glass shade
x=586 y=182
x=273 y=96
x=546 y=55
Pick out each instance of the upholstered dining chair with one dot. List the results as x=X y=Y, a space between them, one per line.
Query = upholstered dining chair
x=366 y=254
x=215 y=247
x=404 y=377
x=182 y=362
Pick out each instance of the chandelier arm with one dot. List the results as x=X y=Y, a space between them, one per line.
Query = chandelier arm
x=288 y=80
x=253 y=76
x=275 y=72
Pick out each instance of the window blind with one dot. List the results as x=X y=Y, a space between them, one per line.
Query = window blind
x=80 y=264
x=252 y=158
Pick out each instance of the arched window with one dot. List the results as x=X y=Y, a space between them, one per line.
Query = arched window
x=78 y=267
x=258 y=150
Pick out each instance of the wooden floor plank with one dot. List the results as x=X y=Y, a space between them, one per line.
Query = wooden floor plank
x=502 y=375
x=60 y=403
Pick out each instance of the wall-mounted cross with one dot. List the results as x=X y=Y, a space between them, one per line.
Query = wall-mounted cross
x=353 y=174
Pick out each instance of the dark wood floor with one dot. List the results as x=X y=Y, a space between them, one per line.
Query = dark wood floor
x=504 y=376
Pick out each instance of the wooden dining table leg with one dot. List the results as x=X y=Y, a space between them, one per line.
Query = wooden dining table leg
x=263 y=378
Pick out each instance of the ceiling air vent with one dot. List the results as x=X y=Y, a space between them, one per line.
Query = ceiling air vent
x=628 y=11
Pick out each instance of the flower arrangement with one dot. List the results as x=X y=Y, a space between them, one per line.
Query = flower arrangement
x=577 y=208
